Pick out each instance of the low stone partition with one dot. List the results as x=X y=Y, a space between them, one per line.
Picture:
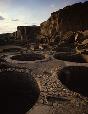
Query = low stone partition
x=75 y=78
x=19 y=91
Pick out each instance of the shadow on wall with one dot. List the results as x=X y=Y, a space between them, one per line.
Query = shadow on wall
x=75 y=78
x=18 y=92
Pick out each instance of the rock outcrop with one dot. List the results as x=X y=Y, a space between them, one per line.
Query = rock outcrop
x=28 y=33
x=65 y=28
x=71 y=18
x=50 y=28
x=81 y=39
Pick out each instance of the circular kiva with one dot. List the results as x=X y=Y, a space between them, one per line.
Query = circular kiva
x=70 y=57
x=75 y=78
x=28 y=57
x=12 y=50
x=18 y=92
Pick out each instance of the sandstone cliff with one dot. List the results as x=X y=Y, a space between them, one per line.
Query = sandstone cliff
x=64 y=27
x=71 y=18
x=30 y=33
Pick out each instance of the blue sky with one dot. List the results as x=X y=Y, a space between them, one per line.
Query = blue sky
x=14 y=13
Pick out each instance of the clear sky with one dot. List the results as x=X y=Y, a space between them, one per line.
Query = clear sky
x=14 y=13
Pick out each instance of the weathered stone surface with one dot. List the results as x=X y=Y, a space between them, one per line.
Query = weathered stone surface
x=49 y=28
x=81 y=41
x=71 y=18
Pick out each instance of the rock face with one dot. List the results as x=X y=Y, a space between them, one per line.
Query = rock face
x=61 y=27
x=50 y=28
x=28 y=33
x=81 y=39
x=71 y=18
